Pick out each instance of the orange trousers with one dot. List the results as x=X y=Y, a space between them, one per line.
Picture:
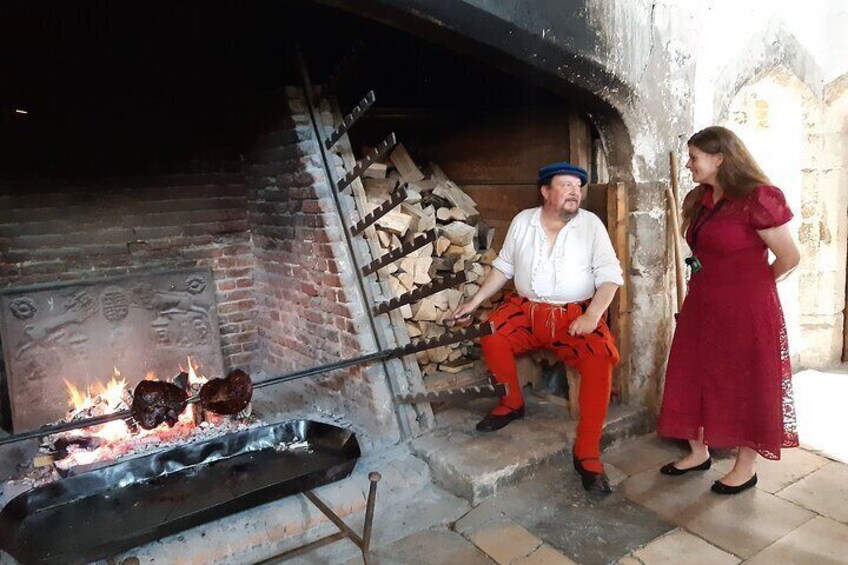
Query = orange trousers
x=521 y=326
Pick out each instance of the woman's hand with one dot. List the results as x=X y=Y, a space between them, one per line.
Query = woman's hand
x=786 y=255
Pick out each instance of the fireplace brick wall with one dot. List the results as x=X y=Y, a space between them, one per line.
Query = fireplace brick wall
x=263 y=220
x=309 y=311
x=53 y=230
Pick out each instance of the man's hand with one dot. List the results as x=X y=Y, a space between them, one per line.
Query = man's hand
x=462 y=315
x=585 y=324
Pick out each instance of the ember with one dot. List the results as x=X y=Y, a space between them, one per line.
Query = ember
x=161 y=413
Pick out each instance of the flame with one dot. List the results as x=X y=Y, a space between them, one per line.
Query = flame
x=113 y=392
x=77 y=399
x=111 y=397
x=194 y=377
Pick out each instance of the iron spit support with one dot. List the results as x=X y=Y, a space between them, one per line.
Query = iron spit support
x=398 y=195
x=344 y=66
x=345 y=531
x=369 y=159
x=464 y=334
x=481 y=391
x=420 y=241
x=350 y=119
x=424 y=291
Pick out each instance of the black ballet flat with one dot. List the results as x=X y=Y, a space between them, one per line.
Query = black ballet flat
x=493 y=422
x=673 y=471
x=597 y=483
x=721 y=488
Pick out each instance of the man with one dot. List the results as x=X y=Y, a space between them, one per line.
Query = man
x=566 y=274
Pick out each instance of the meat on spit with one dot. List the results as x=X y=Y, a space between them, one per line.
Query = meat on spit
x=155 y=402
x=227 y=396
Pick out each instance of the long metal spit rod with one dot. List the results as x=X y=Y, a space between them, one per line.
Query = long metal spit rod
x=124 y=414
x=408 y=349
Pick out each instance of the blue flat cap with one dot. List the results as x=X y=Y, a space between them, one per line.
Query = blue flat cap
x=548 y=172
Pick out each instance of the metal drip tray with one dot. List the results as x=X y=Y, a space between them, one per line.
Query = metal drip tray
x=105 y=511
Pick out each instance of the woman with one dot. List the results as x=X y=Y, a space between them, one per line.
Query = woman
x=728 y=377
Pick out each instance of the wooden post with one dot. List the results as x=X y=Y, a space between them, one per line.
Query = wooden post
x=845 y=322
x=618 y=216
x=671 y=194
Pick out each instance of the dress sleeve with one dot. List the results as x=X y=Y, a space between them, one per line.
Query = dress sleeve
x=768 y=208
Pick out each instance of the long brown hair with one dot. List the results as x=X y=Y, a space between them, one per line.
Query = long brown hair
x=739 y=174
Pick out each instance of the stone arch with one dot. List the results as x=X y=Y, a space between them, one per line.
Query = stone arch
x=833 y=137
x=797 y=141
x=772 y=48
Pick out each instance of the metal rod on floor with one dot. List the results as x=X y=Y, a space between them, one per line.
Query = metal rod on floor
x=374 y=477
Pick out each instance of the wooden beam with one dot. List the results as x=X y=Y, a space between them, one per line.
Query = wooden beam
x=618 y=218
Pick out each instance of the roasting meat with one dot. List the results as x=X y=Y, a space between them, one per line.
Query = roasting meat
x=227 y=396
x=155 y=402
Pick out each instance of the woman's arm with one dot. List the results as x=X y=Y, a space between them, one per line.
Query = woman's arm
x=779 y=240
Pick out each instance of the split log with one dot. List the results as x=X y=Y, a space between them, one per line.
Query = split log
x=455 y=195
x=459 y=233
x=407 y=168
x=395 y=222
x=376 y=171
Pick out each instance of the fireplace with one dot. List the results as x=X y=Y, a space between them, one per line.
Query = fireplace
x=217 y=196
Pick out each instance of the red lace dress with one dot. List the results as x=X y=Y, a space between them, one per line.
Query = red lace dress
x=728 y=370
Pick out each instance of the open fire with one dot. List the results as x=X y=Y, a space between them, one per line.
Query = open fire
x=74 y=451
x=118 y=438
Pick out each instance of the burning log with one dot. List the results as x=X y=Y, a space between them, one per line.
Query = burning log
x=155 y=402
x=227 y=396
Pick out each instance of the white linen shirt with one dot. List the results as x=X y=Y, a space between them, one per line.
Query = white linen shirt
x=581 y=260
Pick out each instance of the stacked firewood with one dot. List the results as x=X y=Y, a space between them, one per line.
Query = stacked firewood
x=463 y=244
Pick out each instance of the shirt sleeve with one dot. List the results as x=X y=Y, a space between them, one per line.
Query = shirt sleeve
x=605 y=265
x=505 y=261
x=768 y=208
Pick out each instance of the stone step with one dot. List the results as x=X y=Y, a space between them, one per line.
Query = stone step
x=477 y=465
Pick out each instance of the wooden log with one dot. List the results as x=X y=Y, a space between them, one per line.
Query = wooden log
x=488 y=257
x=376 y=171
x=456 y=196
x=378 y=187
x=454 y=298
x=439 y=354
x=407 y=280
x=385 y=239
x=422 y=270
x=425 y=309
x=395 y=222
x=442 y=244
x=427 y=221
x=456 y=365
x=407 y=168
x=459 y=233
x=389 y=269
x=413 y=329
x=437 y=175
x=451 y=214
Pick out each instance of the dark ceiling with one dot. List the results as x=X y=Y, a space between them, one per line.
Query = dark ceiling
x=105 y=84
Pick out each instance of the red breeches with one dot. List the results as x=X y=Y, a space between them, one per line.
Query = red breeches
x=522 y=326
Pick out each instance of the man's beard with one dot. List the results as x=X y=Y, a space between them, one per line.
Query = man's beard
x=565 y=215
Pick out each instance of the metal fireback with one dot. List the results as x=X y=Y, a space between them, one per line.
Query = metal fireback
x=81 y=331
x=108 y=510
